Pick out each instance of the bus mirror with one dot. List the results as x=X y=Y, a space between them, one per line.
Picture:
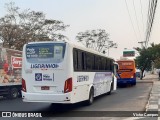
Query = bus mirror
x=116 y=67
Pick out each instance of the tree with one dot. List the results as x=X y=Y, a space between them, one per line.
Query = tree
x=148 y=56
x=20 y=27
x=157 y=62
x=95 y=39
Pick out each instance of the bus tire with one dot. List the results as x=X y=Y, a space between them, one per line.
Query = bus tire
x=91 y=97
x=13 y=93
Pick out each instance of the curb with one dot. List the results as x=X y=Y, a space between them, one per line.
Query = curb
x=154 y=99
x=153 y=102
x=145 y=81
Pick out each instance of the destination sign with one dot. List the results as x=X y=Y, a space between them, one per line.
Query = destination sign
x=39 y=52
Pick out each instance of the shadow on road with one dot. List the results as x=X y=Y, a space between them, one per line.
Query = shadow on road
x=61 y=108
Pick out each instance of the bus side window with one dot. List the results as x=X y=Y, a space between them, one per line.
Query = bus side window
x=75 y=59
x=108 y=64
x=111 y=65
x=80 y=60
x=96 y=63
x=83 y=61
x=89 y=61
x=103 y=63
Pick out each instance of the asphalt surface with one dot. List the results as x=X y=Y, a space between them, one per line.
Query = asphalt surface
x=131 y=98
x=145 y=101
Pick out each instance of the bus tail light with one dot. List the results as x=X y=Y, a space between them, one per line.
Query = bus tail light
x=24 y=85
x=68 y=85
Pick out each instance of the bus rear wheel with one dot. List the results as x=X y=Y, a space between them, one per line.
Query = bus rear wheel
x=91 y=97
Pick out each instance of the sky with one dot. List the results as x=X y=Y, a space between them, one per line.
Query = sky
x=125 y=27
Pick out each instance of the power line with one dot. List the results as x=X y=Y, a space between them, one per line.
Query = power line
x=148 y=20
x=151 y=15
x=147 y=25
x=142 y=14
x=131 y=20
x=137 y=20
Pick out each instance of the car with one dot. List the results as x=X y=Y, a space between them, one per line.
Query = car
x=138 y=73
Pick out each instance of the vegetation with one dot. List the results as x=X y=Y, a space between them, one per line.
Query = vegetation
x=95 y=39
x=148 y=57
x=20 y=27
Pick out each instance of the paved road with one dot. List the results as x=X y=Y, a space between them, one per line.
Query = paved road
x=124 y=99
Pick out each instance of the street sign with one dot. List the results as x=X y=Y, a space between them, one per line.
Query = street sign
x=128 y=53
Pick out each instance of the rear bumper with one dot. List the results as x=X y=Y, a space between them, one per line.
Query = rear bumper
x=126 y=81
x=48 y=98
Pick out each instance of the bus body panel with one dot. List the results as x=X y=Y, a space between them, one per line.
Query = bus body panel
x=126 y=81
x=48 y=77
x=101 y=81
x=126 y=72
x=34 y=86
x=43 y=97
x=82 y=81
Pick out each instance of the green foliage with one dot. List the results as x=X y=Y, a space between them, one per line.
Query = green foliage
x=149 y=56
x=157 y=63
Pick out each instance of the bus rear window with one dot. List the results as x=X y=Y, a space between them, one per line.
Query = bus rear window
x=45 y=52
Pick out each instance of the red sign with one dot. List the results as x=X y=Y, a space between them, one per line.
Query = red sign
x=16 y=62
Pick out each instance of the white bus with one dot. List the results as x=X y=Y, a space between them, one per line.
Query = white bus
x=60 y=72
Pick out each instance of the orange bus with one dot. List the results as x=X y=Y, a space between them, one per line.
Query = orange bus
x=126 y=73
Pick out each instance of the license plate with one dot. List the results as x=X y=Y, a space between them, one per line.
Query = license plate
x=45 y=87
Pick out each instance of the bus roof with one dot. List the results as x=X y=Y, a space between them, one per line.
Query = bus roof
x=89 y=50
